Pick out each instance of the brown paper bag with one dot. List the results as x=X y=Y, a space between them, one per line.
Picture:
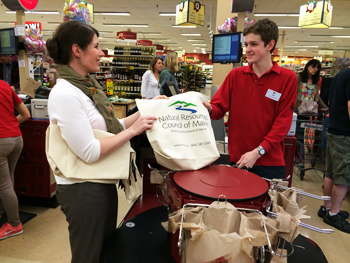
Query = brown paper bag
x=287 y=201
x=30 y=87
x=221 y=233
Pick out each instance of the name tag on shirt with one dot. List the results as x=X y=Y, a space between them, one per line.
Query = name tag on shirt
x=274 y=95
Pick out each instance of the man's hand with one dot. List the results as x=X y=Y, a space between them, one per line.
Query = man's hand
x=248 y=159
x=208 y=106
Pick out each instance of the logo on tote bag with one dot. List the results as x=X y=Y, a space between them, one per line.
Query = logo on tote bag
x=184 y=105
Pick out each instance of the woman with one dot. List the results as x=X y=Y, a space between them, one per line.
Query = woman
x=308 y=84
x=77 y=106
x=167 y=73
x=150 y=80
x=308 y=90
x=11 y=144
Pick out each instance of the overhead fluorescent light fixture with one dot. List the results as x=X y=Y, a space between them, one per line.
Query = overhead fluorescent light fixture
x=151 y=34
x=106 y=32
x=185 y=26
x=302 y=46
x=194 y=50
x=289 y=27
x=338 y=27
x=195 y=35
x=7 y=22
x=199 y=44
x=124 y=25
x=167 y=14
x=112 y=13
x=329 y=36
x=195 y=39
x=314 y=41
x=36 y=12
x=275 y=14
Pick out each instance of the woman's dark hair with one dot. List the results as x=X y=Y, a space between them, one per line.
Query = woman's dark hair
x=304 y=75
x=65 y=36
x=153 y=62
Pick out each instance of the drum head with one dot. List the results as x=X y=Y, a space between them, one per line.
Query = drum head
x=214 y=180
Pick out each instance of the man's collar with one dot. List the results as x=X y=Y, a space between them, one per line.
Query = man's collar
x=275 y=68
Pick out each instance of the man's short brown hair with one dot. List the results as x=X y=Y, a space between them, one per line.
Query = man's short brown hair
x=267 y=29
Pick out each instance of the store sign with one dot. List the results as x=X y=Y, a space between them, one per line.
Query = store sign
x=26 y=5
x=189 y=13
x=126 y=36
x=32 y=25
x=160 y=48
x=325 y=52
x=144 y=43
x=316 y=14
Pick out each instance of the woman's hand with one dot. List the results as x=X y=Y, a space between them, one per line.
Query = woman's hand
x=249 y=159
x=141 y=124
x=208 y=106
x=160 y=97
x=181 y=91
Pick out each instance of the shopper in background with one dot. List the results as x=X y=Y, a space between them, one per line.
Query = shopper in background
x=337 y=177
x=308 y=90
x=9 y=71
x=308 y=84
x=150 y=79
x=78 y=105
x=171 y=65
x=260 y=98
x=11 y=144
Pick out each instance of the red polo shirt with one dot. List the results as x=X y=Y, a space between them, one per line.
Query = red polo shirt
x=9 y=126
x=261 y=111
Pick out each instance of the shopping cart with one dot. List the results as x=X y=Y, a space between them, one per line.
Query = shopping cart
x=309 y=137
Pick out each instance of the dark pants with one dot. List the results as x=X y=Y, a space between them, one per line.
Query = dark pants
x=268 y=172
x=91 y=212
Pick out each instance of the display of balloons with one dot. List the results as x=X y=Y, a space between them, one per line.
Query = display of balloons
x=230 y=25
x=33 y=42
x=76 y=10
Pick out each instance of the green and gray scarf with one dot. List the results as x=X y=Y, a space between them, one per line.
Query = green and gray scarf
x=93 y=90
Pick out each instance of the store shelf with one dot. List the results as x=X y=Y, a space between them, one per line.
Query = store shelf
x=133 y=56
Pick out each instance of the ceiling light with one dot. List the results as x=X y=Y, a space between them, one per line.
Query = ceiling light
x=152 y=34
x=195 y=39
x=112 y=13
x=338 y=27
x=301 y=46
x=6 y=22
x=289 y=27
x=191 y=35
x=135 y=25
x=167 y=14
x=37 y=12
x=185 y=26
x=106 y=32
x=314 y=41
x=328 y=36
x=342 y=36
x=194 y=50
x=199 y=44
x=276 y=14
x=299 y=49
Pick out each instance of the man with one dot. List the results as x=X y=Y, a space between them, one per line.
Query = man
x=9 y=71
x=260 y=98
x=337 y=179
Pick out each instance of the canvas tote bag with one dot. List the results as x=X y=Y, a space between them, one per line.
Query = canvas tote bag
x=182 y=137
x=65 y=163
